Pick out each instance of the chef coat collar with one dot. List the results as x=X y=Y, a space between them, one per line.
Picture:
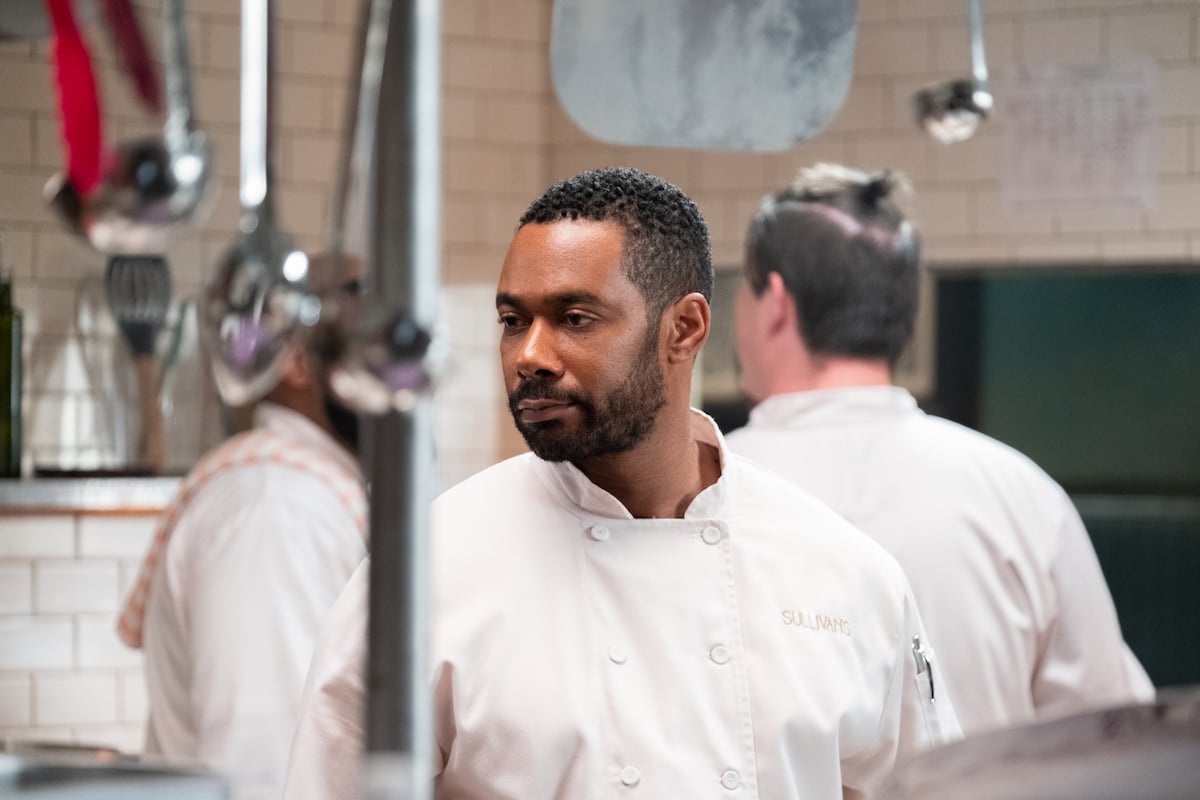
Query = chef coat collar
x=299 y=428
x=572 y=485
x=832 y=406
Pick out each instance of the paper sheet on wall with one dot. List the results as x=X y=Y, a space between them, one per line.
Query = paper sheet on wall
x=1081 y=138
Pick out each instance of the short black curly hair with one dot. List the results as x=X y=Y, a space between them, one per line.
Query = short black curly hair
x=667 y=253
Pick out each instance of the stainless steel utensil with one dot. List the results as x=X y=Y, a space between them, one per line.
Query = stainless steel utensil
x=155 y=185
x=755 y=75
x=139 y=294
x=358 y=122
x=951 y=112
x=258 y=304
x=104 y=381
x=382 y=359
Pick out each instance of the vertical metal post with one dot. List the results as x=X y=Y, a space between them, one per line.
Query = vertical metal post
x=403 y=246
x=979 y=68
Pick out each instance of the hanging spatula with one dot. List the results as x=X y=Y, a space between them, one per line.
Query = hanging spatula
x=139 y=294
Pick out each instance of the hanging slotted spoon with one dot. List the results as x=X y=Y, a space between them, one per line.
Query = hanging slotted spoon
x=139 y=294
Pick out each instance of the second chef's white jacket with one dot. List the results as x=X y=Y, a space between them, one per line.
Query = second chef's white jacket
x=760 y=647
x=1001 y=564
x=256 y=559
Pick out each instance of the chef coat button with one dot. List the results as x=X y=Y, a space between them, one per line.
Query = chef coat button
x=730 y=779
x=630 y=776
x=720 y=654
x=617 y=655
x=710 y=535
x=599 y=533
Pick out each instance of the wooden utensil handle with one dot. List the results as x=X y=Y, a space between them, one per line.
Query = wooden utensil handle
x=150 y=434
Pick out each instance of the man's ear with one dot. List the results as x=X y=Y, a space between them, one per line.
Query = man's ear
x=779 y=310
x=689 y=321
x=297 y=369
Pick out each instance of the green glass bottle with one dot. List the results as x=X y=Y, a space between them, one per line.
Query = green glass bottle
x=10 y=379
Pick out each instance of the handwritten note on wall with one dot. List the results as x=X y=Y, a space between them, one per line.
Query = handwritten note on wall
x=1081 y=138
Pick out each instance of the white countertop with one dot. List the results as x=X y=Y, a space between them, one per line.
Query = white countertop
x=58 y=495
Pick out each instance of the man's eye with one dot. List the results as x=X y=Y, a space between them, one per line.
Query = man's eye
x=509 y=321
x=575 y=320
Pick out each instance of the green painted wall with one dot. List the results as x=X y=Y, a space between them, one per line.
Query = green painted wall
x=1097 y=378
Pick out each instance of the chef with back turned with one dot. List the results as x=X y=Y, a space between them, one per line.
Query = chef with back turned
x=1000 y=561
x=630 y=610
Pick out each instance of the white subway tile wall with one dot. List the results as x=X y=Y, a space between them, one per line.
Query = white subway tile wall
x=64 y=675
x=468 y=405
x=97 y=646
x=36 y=643
x=131 y=691
x=16 y=704
x=76 y=699
x=62 y=587
x=16 y=588
x=115 y=537
x=38 y=537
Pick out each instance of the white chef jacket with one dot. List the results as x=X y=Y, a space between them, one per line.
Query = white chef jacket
x=1003 y=570
x=254 y=563
x=760 y=647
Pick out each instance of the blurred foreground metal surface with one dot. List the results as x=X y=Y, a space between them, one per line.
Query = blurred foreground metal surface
x=77 y=775
x=1149 y=752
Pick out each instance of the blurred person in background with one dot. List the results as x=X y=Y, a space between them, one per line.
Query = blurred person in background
x=260 y=540
x=630 y=607
x=1001 y=565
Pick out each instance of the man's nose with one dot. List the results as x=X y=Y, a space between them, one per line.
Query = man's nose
x=536 y=355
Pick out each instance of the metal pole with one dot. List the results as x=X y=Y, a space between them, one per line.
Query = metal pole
x=403 y=246
x=978 y=63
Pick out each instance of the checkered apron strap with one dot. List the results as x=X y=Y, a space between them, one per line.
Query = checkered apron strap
x=256 y=446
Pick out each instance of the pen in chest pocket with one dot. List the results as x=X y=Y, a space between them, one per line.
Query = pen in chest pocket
x=923 y=663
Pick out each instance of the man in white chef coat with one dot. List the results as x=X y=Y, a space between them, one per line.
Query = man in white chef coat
x=630 y=609
x=246 y=564
x=1003 y=570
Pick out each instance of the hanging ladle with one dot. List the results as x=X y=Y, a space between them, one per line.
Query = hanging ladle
x=258 y=303
x=150 y=187
x=380 y=357
x=951 y=112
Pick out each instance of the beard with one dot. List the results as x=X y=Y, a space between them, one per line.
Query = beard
x=615 y=423
x=343 y=421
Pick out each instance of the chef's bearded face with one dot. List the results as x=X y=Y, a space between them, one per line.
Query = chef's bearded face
x=580 y=354
x=611 y=423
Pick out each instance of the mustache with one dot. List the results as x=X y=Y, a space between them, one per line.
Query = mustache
x=537 y=390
